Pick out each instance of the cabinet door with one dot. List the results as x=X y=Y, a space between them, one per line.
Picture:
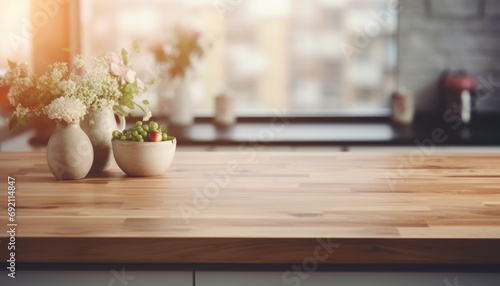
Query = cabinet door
x=344 y=279
x=417 y=149
x=117 y=277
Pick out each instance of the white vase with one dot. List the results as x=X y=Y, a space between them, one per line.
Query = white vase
x=224 y=110
x=164 y=94
x=181 y=109
x=99 y=126
x=69 y=152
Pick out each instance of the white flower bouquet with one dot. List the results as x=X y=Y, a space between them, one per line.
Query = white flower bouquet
x=66 y=108
x=110 y=82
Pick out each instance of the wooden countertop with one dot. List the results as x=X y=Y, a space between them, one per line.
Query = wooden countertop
x=262 y=208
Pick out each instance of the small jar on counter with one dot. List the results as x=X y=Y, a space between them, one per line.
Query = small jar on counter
x=403 y=107
x=224 y=110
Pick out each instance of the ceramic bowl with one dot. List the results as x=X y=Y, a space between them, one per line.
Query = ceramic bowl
x=144 y=159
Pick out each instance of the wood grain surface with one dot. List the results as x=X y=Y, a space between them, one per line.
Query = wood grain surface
x=248 y=207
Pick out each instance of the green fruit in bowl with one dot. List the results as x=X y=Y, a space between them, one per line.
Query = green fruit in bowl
x=153 y=124
x=143 y=132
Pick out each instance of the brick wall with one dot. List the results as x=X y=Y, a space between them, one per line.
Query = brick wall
x=435 y=35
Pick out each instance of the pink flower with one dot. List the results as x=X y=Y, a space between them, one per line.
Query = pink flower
x=140 y=85
x=117 y=69
x=116 y=65
x=130 y=76
x=113 y=58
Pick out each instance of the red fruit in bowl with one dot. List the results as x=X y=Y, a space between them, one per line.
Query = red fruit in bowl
x=155 y=136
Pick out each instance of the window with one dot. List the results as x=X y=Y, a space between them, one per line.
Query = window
x=16 y=43
x=268 y=54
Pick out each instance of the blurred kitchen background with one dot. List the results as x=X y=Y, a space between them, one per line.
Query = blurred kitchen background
x=300 y=75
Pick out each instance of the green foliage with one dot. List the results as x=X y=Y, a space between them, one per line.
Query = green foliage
x=119 y=110
x=125 y=57
x=183 y=48
x=130 y=90
x=15 y=122
x=135 y=46
x=12 y=65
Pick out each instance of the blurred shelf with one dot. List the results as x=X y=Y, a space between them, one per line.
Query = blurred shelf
x=339 y=132
x=342 y=133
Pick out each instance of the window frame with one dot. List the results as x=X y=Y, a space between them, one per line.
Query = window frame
x=380 y=115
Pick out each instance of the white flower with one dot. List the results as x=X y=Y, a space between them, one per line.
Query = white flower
x=78 y=61
x=27 y=82
x=21 y=111
x=147 y=115
x=12 y=100
x=67 y=108
x=67 y=87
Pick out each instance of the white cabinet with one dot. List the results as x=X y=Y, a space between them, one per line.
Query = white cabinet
x=416 y=148
x=228 y=278
x=344 y=279
x=117 y=277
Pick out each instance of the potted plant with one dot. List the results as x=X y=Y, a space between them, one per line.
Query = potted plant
x=176 y=57
x=69 y=152
x=109 y=86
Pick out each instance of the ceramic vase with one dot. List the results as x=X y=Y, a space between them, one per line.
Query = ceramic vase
x=69 y=151
x=99 y=126
x=181 y=108
x=224 y=110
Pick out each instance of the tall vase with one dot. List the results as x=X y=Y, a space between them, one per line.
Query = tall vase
x=181 y=112
x=99 y=126
x=69 y=151
x=164 y=94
